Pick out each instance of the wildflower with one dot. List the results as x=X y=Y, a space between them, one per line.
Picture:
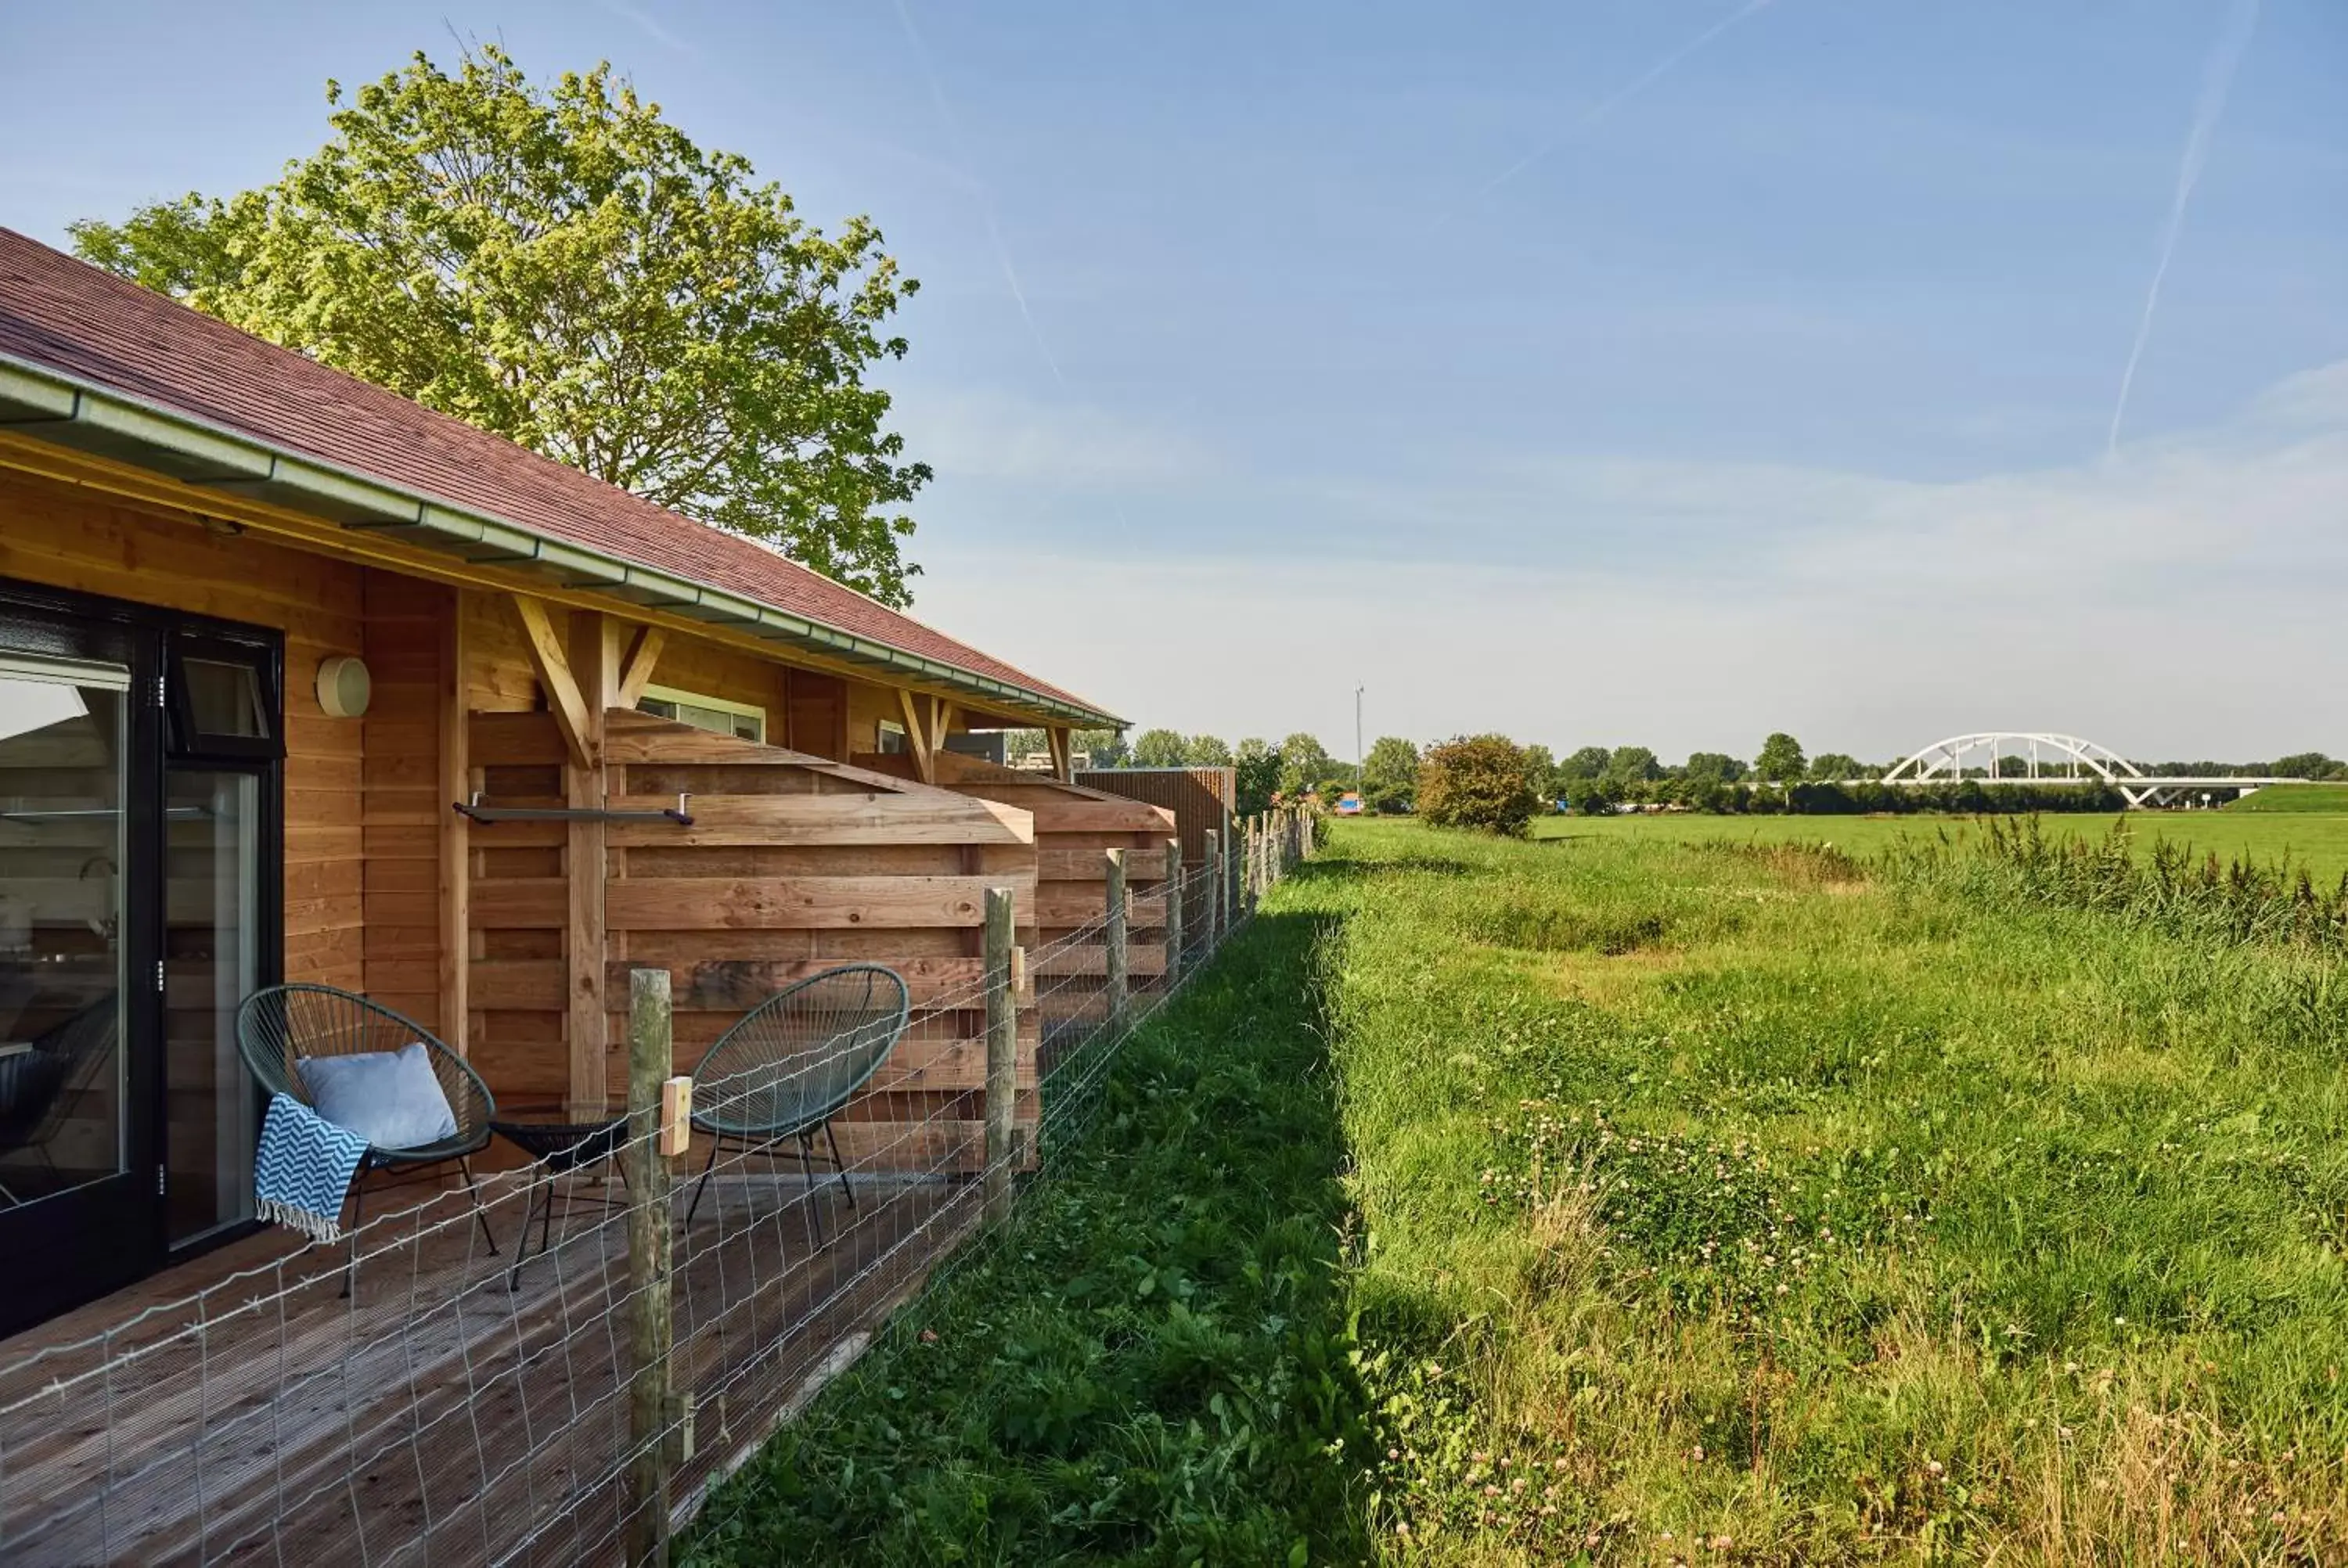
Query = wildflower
x=1933 y=1467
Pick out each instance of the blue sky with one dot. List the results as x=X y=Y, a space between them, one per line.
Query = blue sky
x=1776 y=394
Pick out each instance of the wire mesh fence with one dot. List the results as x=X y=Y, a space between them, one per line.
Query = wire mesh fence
x=555 y=1366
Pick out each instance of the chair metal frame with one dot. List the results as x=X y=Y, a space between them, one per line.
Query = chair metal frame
x=717 y=1112
x=272 y=1035
x=76 y=1045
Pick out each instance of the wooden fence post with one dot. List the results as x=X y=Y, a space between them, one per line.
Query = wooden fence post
x=1002 y=1055
x=1112 y=944
x=650 y=1053
x=1173 y=913
x=1218 y=887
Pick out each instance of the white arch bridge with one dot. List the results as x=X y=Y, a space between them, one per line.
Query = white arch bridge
x=2051 y=759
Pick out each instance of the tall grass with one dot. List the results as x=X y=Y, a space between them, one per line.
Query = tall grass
x=1769 y=1205
x=2199 y=897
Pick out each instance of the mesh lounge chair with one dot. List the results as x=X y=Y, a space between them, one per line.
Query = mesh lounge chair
x=787 y=1066
x=279 y=1025
x=36 y=1085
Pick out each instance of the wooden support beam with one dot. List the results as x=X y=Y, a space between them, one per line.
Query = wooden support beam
x=917 y=735
x=1062 y=763
x=940 y=717
x=571 y=712
x=585 y=868
x=455 y=871
x=636 y=670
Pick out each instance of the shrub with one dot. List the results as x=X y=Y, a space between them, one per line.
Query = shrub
x=1479 y=782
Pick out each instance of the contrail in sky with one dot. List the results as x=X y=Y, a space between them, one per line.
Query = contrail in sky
x=1623 y=95
x=986 y=200
x=2215 y=82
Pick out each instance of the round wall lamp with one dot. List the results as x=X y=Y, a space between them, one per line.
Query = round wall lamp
x=343 y=687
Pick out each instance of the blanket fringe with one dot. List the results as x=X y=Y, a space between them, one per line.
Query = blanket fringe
x=317 y=1227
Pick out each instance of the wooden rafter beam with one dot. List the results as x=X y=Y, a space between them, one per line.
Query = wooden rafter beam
x=940 y=717
x=917 y=734
x=1062 y=763
x=636 y=670
x=552 y=665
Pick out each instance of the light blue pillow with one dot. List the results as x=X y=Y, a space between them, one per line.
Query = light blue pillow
x=390 y=1098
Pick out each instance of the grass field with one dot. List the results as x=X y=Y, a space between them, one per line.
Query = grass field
x=1725 y=1205
x=1624 y=1199
x=2292 y=826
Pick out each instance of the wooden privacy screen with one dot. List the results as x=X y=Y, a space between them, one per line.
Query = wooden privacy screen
x=1201 y=799
x=1075 y=827
x=792 y=864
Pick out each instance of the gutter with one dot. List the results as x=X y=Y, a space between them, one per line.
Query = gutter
x=69 y=411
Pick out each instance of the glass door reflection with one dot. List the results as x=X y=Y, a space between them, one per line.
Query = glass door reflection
x=63 y=1109
x=211 y=869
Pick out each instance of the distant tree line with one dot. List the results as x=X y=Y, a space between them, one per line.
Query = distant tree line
x=1265 y=771
x=1781 y=778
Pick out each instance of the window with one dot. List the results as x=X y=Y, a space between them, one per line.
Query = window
x=715 y=714
x=891 y=738
x=223 y=699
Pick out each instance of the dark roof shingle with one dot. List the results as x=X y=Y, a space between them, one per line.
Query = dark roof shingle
x=84 y=322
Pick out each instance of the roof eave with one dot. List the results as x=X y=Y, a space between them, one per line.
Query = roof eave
x=38 y=401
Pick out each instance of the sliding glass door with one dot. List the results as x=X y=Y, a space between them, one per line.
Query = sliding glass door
x=138 y=830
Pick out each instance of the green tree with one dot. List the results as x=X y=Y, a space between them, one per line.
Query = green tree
x=1255 y=764
x=1206 y=752
x=1780 y=760
x=1593 y=796
x=1632 y=764
x=2304 y=765
x=1540 y=775
x=1159 y=749
x=1102 y=748
x=1390 y=775
x=1714 y=767
x=1304 y=764
x=1589 y=762
x=1836 y=767
x=563 y=267
x=1479 y=782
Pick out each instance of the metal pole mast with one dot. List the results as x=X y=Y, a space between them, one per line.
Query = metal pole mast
x=1357 y=738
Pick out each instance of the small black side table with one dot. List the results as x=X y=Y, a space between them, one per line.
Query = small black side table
x=556 y=1149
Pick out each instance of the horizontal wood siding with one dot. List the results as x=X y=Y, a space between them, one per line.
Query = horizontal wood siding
x=404 y=815
x=793 y=864
x=1201 y=799
x=1074 y=829
x=63 y=536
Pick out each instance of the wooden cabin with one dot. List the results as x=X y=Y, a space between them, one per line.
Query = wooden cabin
x=263 y=628
x=1075 y=828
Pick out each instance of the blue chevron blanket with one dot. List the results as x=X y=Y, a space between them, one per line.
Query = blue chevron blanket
x=304 y=1168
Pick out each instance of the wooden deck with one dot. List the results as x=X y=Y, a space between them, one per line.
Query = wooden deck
x=239 y=1409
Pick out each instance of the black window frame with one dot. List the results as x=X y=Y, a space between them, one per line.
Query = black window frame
x=189 y=743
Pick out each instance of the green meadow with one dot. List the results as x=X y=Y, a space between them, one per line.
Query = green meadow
x=2307 y=825
x=1658 y=1191
x=1724 y=1200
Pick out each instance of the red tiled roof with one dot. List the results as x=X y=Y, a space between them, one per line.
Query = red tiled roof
x=85 y=323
